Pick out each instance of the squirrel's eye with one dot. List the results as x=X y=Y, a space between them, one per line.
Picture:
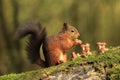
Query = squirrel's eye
x=72 y=31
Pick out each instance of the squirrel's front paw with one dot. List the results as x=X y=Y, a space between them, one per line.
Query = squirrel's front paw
x=78 y=41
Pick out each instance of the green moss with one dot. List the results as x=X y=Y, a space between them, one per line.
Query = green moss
x=110 y=61
x=114 y=72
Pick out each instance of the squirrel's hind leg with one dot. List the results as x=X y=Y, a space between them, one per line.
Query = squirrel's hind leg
x=57 y=57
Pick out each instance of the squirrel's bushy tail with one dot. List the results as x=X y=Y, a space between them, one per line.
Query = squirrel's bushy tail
x=36 y=38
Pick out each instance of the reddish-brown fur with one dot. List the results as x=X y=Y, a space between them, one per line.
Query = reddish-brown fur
x=56 y=46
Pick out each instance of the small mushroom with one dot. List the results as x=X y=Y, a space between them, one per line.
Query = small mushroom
x=78 y=54
x=85 y=49
x=74 y=55
x=84 y=53
x=101 y=47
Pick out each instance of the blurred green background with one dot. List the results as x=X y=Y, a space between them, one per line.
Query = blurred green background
x=96 y=20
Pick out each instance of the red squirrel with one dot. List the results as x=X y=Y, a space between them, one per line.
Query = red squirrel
x=54 y=47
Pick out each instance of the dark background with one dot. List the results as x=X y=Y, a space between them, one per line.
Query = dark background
x=96 y=20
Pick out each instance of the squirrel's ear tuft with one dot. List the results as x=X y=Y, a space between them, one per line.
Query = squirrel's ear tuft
x=65 y=26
